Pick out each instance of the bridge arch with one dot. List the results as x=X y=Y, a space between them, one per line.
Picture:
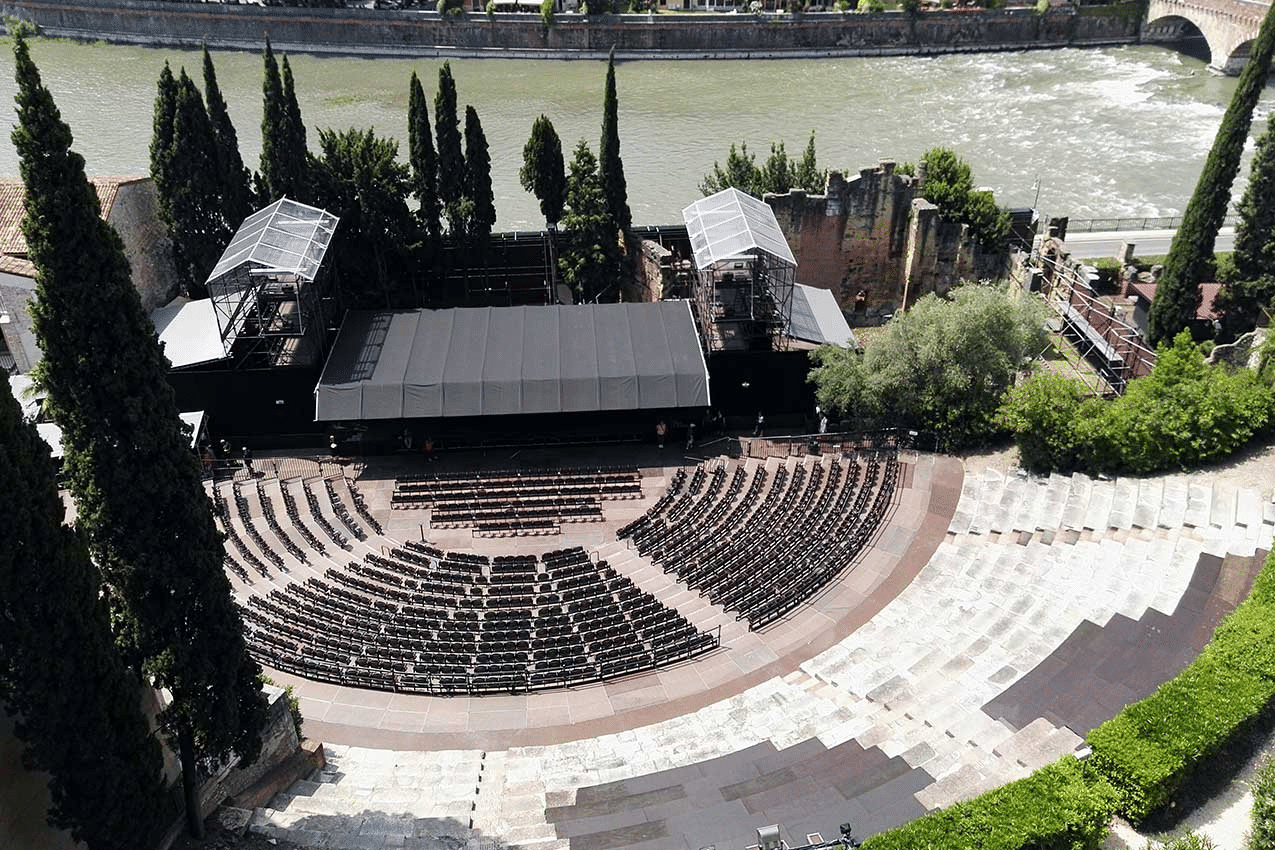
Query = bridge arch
x=1227 y=26
x=1181 y=33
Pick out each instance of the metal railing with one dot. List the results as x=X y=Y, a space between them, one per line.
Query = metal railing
x=1113 y=225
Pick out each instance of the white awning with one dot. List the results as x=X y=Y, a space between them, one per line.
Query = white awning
x=816 y=317
x=189 y=332
x=730 y=223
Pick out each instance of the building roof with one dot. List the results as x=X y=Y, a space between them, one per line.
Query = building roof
x=731 y=223
x=1208 y=295
x=286 y=236
x=817 y=318
x=513 y=360
x=13 y=245
x=189 y=332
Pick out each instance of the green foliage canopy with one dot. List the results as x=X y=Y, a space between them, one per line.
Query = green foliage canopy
x=589 y=261
x=610 y=166
x=59 y=671
x=949 y=185
x=1183 y=414
x=778 y=174
x=942 y=366
x=481 y=206
x=136 y=483
x=451 y=160
x=1250 y=283
x=543 y=172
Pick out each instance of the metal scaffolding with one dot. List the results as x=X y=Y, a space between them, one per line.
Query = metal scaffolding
x=268 y=288
x=745 y=272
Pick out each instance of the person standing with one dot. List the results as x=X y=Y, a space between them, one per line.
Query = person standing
x=247 y=462
x=761 y=424
x=661 y=431
x=690 y=436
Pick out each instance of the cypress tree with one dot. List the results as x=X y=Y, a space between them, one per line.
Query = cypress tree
x=79 y=708
x=1190 y=257
x=235 y=190
x=590 y=256
x=136 y=483
x=420 y=151
x=162 y=135
x=481 y=204
x=543 y=172
x=192 y=200
x=273 y=130
x=609 y=163
x=451 y=163
x=1251 y=282
x=807 y=174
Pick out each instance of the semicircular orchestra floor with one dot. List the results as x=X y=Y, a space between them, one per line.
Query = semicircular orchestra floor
x=987 y=625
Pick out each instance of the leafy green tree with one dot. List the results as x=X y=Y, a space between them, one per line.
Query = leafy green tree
x=162 y=133
x=949 y=185
x=1191 y=253
x=589 y=260
x=543 y=172
x=943 y=366
x=284 y=155
x=235 y=194
x=136 y=484
x=1183 y=414
x=741 y=172
x=1250 y=284
x=79 y=707
x=777 y=172
x=610 y=166
x=482 y=203
x=451 y=161
x=807 y=174
x=190 y=202
x=420 y=148
x=364 y=182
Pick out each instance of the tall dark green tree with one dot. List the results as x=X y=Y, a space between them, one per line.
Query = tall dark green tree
x=481 y=206
x=806 y=174
x=365 y=184
x=1190 y=258
x=190 y=200
x=589 y=260
x=235 y=193
x=420 y=152
x=78 y=706
x=609 y=163
x=543 y=172
x=284 y=155
x=1250 y=284
x=136 y=483
x=451 y=161
x=162 y=133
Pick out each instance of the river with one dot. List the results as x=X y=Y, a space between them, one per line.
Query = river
x=1101 y=132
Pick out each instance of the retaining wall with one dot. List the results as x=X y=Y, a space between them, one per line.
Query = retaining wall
x=415 y=33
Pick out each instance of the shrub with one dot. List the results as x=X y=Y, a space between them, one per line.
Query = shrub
x=911 y=7
x=871 y=6
x=1041 y=7
x=1151 y=749
x=491 y=8
x=1261 y=833
x=546 y=12
x=1190 y=841
x=1056 y=808
x=1183 y=414
x=841 y=6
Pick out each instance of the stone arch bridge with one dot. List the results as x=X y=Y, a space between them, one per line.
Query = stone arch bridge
x=1228 y=27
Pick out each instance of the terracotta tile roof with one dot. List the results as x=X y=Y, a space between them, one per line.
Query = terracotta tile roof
x=13 y=245
x=17 y=265
x=1208 y=293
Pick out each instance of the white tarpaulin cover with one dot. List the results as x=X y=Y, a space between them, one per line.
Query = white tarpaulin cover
x=189 y=332
x=490 y=361
x=817 y=318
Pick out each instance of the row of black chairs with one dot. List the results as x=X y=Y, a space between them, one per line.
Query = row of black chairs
x=400 y=625
x=294 y=517
x=342 y=512
x=267 y=510
x=245 y=517
x=313 y=502
x=361 y=508
x=246 y=555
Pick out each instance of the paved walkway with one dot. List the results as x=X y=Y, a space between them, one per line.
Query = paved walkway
x=926 y=681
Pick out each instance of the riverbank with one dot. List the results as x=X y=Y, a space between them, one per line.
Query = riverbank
x=418 y=34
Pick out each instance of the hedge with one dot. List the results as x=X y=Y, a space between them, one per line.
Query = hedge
x=1151 y=749
x=1058 y=807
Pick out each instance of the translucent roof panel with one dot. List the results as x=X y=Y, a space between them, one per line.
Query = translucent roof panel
x=285 y=235
x=731 y=223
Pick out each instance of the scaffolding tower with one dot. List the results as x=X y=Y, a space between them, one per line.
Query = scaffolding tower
x=745 y=272
x=268 y=290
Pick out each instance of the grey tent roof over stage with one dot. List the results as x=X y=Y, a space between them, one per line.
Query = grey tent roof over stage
x=493 y=361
